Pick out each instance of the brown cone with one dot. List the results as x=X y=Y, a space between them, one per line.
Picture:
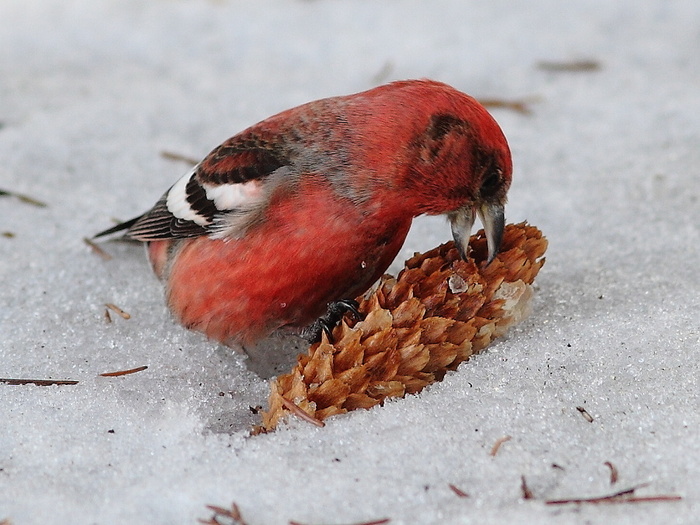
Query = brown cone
x=437 y=313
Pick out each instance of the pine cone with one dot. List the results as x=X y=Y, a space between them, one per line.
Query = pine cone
x=437 y=313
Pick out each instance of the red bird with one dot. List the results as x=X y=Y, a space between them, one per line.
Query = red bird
x=310 y=206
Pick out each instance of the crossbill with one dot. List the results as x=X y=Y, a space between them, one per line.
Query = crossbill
x=311 y=206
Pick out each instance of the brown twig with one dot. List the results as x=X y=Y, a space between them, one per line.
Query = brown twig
x=373 y=522
x=585 y=414
x=572 y=66
x=23 y=198
x=613 y=472
x=118 y=311
x=520 y=106
x=498 y=443
x=458 y=491
x=233 y=514
x=38 y=382
x=622 y=496
x=297 y=411
x=177 y=156
x=97 y=249
x=124 y=372
x=527 y=493
x=606 y=499
x=8 y=235
x=384 y=72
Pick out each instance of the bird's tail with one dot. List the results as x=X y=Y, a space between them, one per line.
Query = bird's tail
x=119 y=227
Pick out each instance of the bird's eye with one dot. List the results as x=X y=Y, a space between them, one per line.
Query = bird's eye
x=491 y=182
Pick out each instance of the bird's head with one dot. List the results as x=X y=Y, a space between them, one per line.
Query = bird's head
x=462 y=168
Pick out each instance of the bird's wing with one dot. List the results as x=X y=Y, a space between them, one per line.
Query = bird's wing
x=229 y=182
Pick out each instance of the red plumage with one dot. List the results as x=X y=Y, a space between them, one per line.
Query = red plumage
x=311 y=206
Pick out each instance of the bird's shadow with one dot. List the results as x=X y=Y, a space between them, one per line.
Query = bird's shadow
x=275 y=355
x=267 y=359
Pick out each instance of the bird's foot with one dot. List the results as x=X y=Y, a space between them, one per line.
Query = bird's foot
x=334 y=314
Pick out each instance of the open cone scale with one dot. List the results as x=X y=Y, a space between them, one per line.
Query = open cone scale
x=437 y=313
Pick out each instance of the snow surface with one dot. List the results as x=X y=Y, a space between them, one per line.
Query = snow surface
x=607 y=165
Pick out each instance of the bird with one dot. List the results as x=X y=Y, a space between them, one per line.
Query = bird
x=300 y=213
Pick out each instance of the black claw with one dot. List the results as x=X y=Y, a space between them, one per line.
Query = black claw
x=340 y=308
x=334 y=314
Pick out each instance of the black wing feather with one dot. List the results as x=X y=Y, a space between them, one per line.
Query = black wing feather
x=118 y=228
x=240 y=159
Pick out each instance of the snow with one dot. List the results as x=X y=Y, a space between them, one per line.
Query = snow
x=606 y=165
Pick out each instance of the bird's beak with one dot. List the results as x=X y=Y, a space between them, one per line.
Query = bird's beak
x=492 y=217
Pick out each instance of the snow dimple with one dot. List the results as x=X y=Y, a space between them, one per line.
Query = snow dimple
x=601 y=160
